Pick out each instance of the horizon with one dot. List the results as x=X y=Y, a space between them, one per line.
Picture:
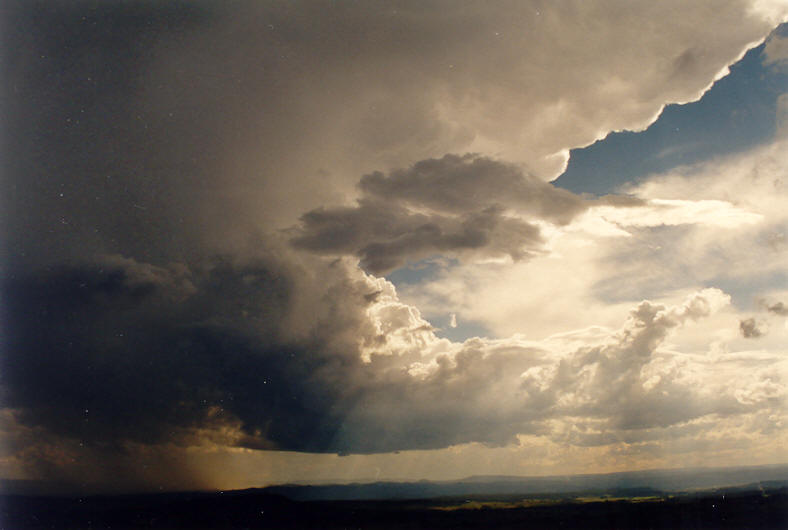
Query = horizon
x=97 y=490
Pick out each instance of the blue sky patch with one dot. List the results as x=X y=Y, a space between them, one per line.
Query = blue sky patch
x=737 y=113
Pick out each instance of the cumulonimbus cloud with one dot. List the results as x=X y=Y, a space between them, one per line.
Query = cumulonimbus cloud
x=159 y=139
x=146 y=355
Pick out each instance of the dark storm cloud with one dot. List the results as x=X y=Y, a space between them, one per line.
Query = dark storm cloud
x=778 y=308
x=105 y=354
x=118 y=354
x=459 y=184
x=88 y=168
x=454 y=205
x=385 y=237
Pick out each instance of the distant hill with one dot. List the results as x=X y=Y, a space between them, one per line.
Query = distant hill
x=762 y=505
x=663 y=480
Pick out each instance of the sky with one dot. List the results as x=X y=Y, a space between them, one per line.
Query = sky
x=251 y=243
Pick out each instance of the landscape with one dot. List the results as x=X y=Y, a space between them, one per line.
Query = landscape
x=393 y=264
x=686 y=498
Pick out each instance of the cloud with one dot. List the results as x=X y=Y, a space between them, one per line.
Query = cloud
x=686 y=229
x=623 y=383
x=465 y=206
x=282 y=352
x=778 y=308
x=96 y=354
x=725 y=247
x=455 y=206
x=750 y=329
x=172 y=129
x=458 y=184
x=665 y=212
x=776 y=52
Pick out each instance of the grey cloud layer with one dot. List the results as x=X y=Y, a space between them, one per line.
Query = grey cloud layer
x=453 y=205
x=156 y=131
x=458 y=184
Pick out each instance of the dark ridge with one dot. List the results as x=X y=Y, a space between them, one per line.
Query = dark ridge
x=757 y=506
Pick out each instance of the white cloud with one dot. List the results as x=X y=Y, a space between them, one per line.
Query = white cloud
x=671 y=212
x=678 y=382
x=776 y=51
x=720 y=221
